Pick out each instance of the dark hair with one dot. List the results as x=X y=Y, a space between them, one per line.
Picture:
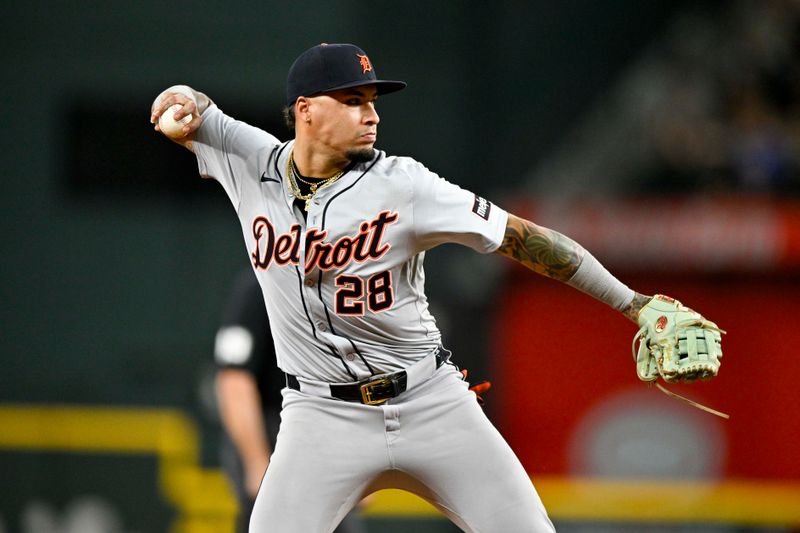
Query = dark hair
x=288 y=117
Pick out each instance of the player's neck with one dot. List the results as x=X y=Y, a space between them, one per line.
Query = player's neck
x=314 y=163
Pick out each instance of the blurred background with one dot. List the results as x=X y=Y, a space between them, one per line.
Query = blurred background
x=662 y=135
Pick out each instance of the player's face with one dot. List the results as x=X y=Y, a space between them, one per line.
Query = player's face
x=345 y=122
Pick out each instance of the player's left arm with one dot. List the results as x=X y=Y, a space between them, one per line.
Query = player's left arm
x=556 y=256
x=662 y=320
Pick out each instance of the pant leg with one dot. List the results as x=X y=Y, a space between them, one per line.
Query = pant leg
x=447 y=442
x=326 y=453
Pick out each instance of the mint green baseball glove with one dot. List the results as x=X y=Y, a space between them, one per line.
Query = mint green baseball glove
x=675 y=343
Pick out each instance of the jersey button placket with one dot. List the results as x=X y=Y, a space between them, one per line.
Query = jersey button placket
x=309 y=282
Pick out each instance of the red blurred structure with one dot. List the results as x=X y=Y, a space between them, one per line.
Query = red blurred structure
x=563 y=366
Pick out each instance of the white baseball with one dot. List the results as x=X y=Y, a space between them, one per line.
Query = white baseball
x=171 y=127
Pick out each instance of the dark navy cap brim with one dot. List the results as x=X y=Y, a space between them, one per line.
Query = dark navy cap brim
x=382 y=86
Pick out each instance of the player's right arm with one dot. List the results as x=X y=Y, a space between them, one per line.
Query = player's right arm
x=228 y=150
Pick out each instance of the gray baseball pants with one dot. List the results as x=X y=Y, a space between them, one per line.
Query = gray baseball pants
x=433 y=440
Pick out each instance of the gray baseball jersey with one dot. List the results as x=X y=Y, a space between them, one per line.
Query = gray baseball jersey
x=344 y=290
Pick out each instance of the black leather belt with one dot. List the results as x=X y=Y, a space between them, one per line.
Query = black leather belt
x=374 y=390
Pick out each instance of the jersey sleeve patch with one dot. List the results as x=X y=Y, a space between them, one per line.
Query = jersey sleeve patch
x=482 y=207
x=233 y=346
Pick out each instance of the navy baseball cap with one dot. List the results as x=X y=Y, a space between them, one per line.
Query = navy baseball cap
x=329 y=67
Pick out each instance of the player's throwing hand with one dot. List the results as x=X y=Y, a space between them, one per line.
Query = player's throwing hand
x=173 y=123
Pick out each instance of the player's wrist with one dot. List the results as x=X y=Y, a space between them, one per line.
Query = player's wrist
x=632 y=309
x=592 y=278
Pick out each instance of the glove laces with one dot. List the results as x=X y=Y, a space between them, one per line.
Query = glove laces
x=702 y=323
x=692 y=402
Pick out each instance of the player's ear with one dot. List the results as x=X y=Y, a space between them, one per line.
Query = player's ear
x=302 y=109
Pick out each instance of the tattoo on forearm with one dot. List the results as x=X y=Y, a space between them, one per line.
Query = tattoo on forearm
x=632 y=311
x=542 y=250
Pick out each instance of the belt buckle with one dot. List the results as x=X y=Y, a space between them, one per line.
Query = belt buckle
x=368 y=390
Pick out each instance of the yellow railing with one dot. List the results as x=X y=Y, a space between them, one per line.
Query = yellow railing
x=206 y=504
x=202 y=497
x=742 y=502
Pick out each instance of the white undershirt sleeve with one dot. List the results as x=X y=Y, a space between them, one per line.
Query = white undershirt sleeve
x=593 y=279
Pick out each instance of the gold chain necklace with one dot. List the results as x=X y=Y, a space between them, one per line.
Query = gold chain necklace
x=294 y=175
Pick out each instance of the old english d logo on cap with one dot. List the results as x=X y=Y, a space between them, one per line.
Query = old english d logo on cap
x=365 y=64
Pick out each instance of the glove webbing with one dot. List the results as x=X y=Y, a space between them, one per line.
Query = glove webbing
x=691 y=344
x=702 y=323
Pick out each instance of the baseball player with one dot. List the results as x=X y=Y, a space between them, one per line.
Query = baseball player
x=336 y=232
x=248 y=394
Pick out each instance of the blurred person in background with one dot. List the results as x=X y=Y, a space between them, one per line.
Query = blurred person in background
x=728 y=120
x=713 y=106
x=248 y=385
